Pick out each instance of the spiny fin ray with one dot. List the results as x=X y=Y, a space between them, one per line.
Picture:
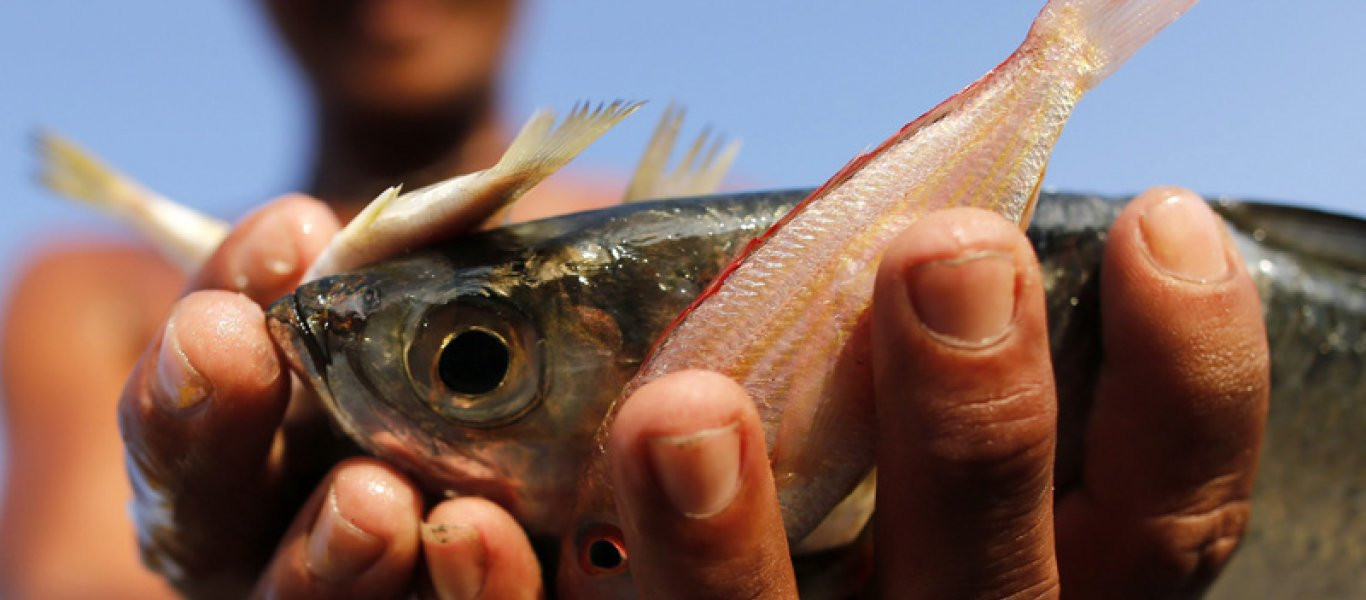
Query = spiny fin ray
x=656 y=156
x=700 y=171
x=539 y=151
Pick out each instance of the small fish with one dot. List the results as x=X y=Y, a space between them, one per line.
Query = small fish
x=388 y=225
x=484 y=364
x=394 y=222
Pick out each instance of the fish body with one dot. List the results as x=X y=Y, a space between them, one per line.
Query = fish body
x=581 y=298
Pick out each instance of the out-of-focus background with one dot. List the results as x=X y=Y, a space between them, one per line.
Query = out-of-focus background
x=1256 y=98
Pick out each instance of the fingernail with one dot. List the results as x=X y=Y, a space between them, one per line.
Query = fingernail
x=338 y=550
x=269 y=256
x=1183 y=237
x=700 y=472
x=182 y=385
x=968 y=300
x=457 y=560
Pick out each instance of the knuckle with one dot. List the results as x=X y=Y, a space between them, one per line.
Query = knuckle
x=1190 y=549
x=1041 y=589
x=998 y=429
x=998 y=446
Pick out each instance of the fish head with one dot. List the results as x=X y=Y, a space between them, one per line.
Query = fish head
x=460 y=371
x=408 y=357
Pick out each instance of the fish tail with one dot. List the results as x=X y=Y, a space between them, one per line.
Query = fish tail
x=538 y=150
x=73 y=172
x=182 y=235
x=1114 y=29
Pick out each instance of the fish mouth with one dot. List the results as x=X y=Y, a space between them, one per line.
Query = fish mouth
x=295 y=338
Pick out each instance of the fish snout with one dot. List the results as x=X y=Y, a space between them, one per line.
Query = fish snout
x=331 y=306
x=293 y=337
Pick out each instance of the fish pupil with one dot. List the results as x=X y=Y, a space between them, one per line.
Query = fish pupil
x=473 y=362
x=605 y=555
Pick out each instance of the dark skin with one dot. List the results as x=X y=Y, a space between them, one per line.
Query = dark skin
x=1141 y=521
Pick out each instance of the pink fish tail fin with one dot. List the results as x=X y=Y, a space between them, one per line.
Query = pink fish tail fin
x=1113 y=29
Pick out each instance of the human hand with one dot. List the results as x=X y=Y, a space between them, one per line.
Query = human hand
x=202 y=413
x=967 y=428
x=221 y=462
x=989 y=467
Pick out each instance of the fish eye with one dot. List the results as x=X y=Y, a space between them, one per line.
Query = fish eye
x=474 y=361
x=602 y=551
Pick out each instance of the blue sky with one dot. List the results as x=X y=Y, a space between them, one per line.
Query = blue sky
x=1256 y=97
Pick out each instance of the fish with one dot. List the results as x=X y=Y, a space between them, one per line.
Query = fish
x=569 y=308
x=396 y=221
x=391 y=223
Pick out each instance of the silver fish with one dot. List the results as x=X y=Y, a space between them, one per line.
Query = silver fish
x=485 y=365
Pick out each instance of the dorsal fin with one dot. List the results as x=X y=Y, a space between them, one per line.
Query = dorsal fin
x=699 y=172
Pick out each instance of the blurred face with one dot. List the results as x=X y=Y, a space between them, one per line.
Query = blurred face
x=395 y=56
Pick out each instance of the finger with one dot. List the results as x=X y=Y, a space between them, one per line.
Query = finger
x=966 y=413
x=200 y=411
x=265 y=255
x=357 y=537
x=197 y=419
x=475 y=550
x=695 y=491
x=1173 y=437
